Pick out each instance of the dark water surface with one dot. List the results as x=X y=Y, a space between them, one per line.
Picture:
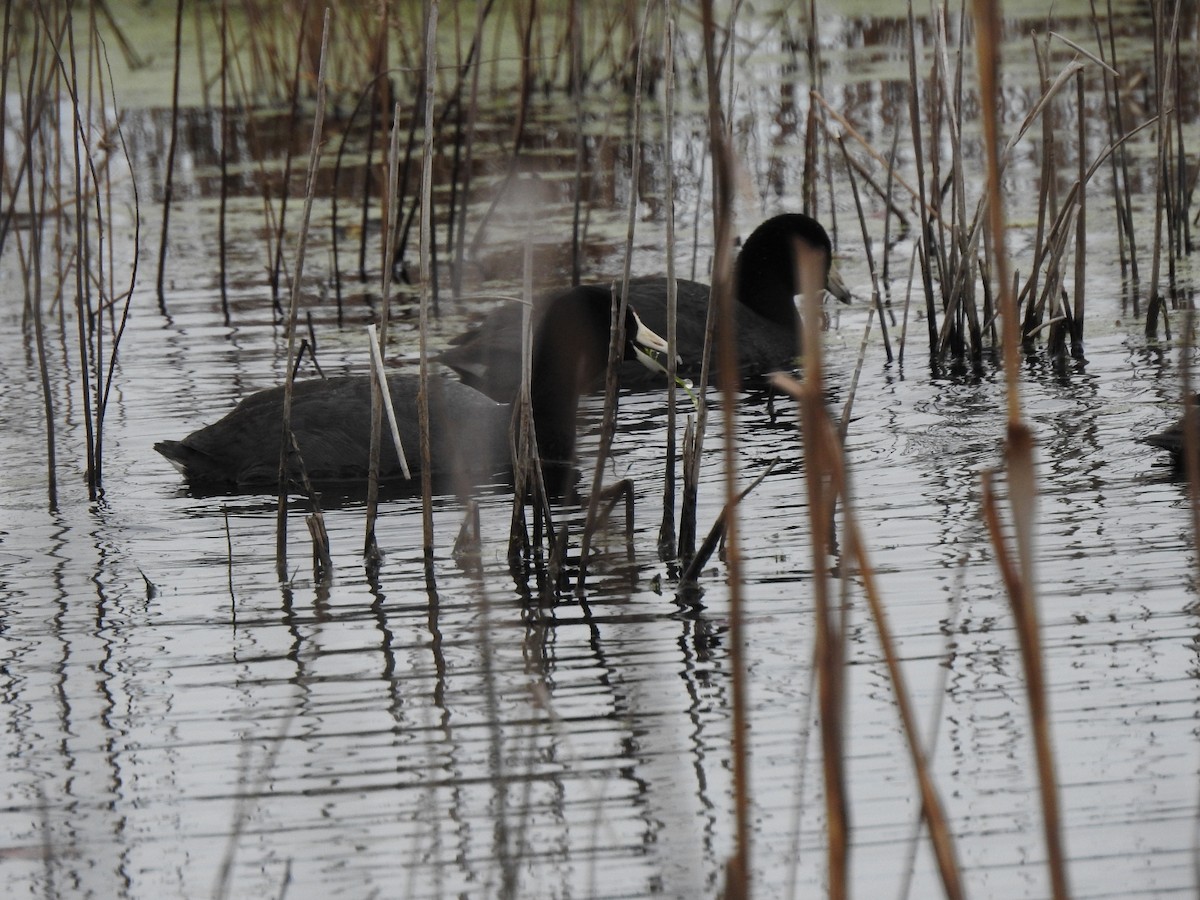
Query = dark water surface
x=170 y=707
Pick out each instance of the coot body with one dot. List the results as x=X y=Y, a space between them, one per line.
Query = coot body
x=469 y=431
x=768 y=326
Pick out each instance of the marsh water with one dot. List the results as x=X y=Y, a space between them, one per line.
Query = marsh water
x=171 y=709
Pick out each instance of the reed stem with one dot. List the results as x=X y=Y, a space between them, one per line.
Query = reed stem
x=287 y=441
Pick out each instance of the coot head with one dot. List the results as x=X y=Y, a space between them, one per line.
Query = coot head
x=766 y=266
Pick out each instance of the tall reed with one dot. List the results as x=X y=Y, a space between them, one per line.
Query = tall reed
x=428 y=282
x=1017 y=566
x=169 y=173
x=620 y=304
x=287 y=441
x=666 y=531
x=738 y=869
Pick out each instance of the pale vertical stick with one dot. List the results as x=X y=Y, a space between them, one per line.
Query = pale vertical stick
x=386 y=395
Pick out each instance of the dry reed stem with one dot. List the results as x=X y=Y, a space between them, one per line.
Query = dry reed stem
x=529 y=478
x=738 y=870
x=830 y=636
x=691 y=574
x=827 y=444
x=427 y=282
x=223 y=163
x=1077 y=314
x=575 y=27
x=286 y=438
x=379 y=372
x=33 y=284
x=666 y=531
x=102 y=402
x=293 y=121
x=620 y=304
x=83 y=309
x=381 y=403
x=169 y=176
x=876 y=294
x=1019 y=577
x=914 y=117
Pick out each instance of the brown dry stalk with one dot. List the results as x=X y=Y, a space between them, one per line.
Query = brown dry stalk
x=721 y=300
x=826 y=443
x=1018 y=577
x=820 y=452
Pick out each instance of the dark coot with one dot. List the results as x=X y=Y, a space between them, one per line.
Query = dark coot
x=331 y=417
x=1172 y=439
x=768 y=328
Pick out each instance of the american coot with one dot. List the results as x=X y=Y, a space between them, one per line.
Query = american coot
x=1172 y=439
x=488 y=356
x=469 y=432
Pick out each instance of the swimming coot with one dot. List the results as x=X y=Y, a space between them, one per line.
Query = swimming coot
x=1172 y=439
x=488 y=357
x=331 y=417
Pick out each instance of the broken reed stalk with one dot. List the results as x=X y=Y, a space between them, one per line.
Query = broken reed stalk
x=169 y=175
x=428 y=286
x=286 y=439
x=616 y=342
x=738 y=869
x=1022 y=487
x=666 y=530
x=691 y=575
x=380 y=402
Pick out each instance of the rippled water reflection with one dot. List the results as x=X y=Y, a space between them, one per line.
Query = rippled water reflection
x=169 y=706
